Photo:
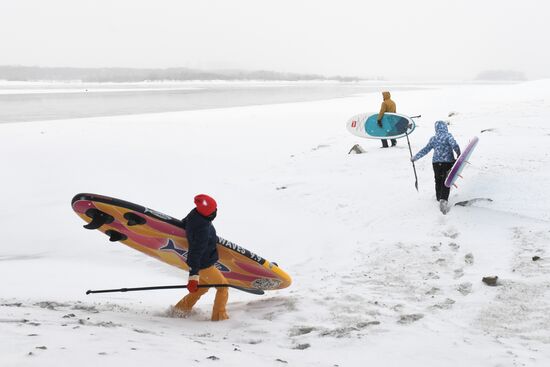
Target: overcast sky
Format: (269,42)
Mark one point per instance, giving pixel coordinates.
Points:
(413,39)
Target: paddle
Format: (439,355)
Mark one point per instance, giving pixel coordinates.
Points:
(249,290)
(410,151)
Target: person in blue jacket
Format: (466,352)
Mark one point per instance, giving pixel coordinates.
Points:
(202,257)
(443,144)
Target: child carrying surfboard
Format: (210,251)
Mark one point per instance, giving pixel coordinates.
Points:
(202,258)
(443,143)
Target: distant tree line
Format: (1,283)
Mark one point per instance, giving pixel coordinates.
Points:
(120,75)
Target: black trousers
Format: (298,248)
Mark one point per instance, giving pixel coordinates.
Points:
(441,170)
(385,143)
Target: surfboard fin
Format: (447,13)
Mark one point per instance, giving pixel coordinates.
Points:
(134,219)
(99,218)
(115,236)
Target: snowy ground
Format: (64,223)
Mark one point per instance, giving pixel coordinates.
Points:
(381,277)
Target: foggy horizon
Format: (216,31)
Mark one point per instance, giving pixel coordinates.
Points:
(423,40)
(130,74)
(123,74)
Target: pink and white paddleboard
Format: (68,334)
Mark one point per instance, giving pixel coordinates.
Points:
(460,163)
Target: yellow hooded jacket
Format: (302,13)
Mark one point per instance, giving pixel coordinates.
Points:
(387,106)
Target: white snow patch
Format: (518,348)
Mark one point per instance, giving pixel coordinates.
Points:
(380,276)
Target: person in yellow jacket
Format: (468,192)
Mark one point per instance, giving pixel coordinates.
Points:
(388,105)
(202,257)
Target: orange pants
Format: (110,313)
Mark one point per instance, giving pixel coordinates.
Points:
(209,275)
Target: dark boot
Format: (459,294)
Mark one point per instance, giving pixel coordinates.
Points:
(443,206)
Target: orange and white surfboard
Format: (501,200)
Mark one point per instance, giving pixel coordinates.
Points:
(163,237)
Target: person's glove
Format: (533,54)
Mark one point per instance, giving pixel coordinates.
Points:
(379,122)
(193,283)
(412,159)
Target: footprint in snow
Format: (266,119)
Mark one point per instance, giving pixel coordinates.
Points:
(431,275)
(433,291)
(173,312)
(50,305)
(106,324)
(301,330)
(301,346)
(409,319)
(80,307)
(445,305)
(15,304)
(465,288)
(454,246)
(347,331)
(451,234)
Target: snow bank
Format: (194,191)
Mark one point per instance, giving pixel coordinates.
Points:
(380,276)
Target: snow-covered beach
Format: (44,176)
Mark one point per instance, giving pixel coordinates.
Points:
(380,276)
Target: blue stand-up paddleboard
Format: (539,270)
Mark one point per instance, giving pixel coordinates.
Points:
(394,126)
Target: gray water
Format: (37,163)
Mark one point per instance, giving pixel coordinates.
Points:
(53,102)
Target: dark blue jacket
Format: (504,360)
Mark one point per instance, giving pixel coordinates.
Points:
(202,239)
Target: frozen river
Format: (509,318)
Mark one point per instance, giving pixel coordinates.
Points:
(20,102)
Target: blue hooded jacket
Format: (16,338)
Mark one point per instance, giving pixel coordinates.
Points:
(443,144)
(202,239)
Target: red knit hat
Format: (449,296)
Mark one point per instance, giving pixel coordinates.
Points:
(205,204)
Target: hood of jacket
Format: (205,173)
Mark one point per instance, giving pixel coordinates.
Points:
(441,127)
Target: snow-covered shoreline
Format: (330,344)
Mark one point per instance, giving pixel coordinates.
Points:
(380,276)
(35,101)
(34,87)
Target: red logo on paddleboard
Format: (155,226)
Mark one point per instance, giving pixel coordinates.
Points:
(353,123)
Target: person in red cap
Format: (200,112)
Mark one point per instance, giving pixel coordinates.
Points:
(202,257)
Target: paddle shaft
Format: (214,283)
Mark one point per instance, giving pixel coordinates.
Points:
(411,153)
(254,291)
